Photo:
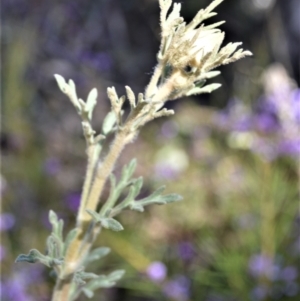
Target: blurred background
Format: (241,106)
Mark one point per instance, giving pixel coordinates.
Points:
(233,154)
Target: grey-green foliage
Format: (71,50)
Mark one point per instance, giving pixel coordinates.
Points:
(102,281)
(127,187)
(56,247)
(130,201)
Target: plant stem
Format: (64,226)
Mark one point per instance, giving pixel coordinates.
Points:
(74,257)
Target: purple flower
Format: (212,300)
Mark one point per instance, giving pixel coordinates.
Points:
(157,271)
(178,288)
(7,221)
(186,250)
(265,123)
(73,201)
(262,265)
(290,147)
(165,171)
(52,166)
(295,101)
(259,293)
(15,288)
(101,61)
(289,274)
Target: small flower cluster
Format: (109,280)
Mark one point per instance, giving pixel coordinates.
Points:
(188,53)
(272,129)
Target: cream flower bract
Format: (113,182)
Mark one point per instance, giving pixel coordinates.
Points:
(188,54)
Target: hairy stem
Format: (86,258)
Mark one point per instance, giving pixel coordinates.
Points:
(74,255)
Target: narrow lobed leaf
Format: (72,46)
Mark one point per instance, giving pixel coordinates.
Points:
(112,224)
(109,122)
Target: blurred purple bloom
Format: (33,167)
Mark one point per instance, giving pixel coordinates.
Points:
(290,147)
(156,271)
(289,274)
(265,123)
(73,201)
(163,170)
(15,288)
(262,265)
(52,166)
(101,61)
(235,117)
(259,293)
(178,289)
(186,250)
(7,221)
(274,123)
(295,100)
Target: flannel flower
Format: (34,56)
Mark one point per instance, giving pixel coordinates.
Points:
(188,54)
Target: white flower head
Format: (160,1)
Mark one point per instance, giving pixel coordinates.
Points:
(188,52)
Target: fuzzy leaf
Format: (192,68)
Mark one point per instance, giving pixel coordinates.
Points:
(61,82)
(170,198)
(116,275)
(108,123)
(137,186)
(112,224)
(88,293)
(137,207)
(106,222)
(104,281)
(34,256)
(91,102)
(154,195)
(70,237)
(128,171)
(96,216)
(97,254)
(55,246)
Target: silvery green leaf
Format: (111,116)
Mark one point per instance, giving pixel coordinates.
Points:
(96,216)
(162,199)
(105,281)
(206,89)
(137,185)
(33,257)
(53,218)
(130,96)
(116,275)
(97,254)
(106,222)
(128,170)
(108,123)
(170,198)
(137,207)
(91,102)
(153,195)
(55,246)
(70,237)
(61,82)
(80,276)
(112,224)
(57,224)
(88,293)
